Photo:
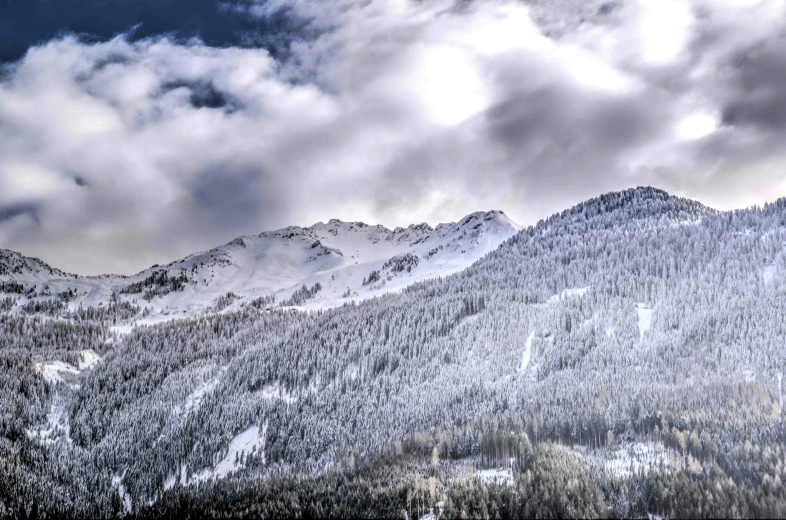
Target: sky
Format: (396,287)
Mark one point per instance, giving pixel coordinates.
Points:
(135,132)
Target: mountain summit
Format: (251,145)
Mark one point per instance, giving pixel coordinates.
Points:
(319,266)
(16,266)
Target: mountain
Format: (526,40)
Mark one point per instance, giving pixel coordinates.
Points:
(629,349)
(337,262)
(14,266)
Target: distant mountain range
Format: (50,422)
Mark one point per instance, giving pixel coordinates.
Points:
(337,262)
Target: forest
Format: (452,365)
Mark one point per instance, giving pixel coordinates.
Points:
(619,359)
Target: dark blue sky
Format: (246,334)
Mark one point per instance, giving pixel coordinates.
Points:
(24,23)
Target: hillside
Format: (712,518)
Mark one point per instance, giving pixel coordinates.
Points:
(629,347)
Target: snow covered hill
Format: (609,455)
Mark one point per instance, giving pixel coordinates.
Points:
(14,266)
(336,262)
(638,334)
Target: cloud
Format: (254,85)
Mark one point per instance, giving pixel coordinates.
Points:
(12,211)
(229,195)
(116,154)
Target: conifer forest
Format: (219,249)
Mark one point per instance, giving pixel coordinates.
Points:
(622,358)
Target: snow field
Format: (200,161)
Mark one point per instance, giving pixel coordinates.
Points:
(250,441)
(337,255)
(576,292)
(496,476)
(527,355)
(645,318)
(628,459)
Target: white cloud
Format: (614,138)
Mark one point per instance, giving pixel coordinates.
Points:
(663,28)
(399,111)
(696,126)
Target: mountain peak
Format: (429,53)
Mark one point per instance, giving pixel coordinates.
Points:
(637,203)
(344,260)
(14,265)
(343,223)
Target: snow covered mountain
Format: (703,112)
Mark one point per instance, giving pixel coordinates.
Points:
(14,266)
(336,262)
(634,340)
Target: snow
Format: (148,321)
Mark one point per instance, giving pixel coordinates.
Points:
(431,515)
(645,318)
(32,269)
(169,483)
(338,255)
(695,221)
(89,360)
(527,356)
(121,330)
(117,482)
(351,371)
(57,426)
(251,440)
(496,476)
(246,442)
(628,459)
(51,371)
(194,399)
(276,391)
(576,292)
(768,273)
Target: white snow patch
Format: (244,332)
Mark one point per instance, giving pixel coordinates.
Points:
(117,481)
(51,371)
(250,441)
(169,483)
(294,308)
(57,426)
(527,356)
(629,459)
(576,292)
(503,477)
(89,360)
(768,273)
(431,515)
(122,330)
(467,320)
(351,371)
(194,399)
(183,475)
(687,222)
(645,318)
(276,391)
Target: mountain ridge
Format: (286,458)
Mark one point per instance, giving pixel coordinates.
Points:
(330,263)
(339,260)
(648,200)
(645,341)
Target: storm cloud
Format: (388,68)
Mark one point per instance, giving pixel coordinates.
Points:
(117,152)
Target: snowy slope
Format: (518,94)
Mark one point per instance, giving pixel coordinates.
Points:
(340,256)
(14,266)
